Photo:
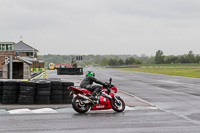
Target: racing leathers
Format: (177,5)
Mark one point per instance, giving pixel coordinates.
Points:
(87,84)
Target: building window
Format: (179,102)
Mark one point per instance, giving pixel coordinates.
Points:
(18,53)
(29,53)
(2,47)
(9,47)
(6,47)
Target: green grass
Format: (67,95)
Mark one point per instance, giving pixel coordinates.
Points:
(186,72)
(166,65)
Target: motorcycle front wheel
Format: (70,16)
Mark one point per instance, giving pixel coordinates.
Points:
(79,106)
(117,106)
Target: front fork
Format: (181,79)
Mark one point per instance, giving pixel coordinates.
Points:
(116,99)
(110,98)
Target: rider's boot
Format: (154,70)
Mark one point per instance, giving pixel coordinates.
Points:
(93,96)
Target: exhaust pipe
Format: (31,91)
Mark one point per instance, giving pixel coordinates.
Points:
(86,98)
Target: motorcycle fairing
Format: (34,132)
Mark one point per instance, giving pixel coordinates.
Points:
(104,104)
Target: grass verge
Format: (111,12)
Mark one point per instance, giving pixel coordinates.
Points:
(186,72)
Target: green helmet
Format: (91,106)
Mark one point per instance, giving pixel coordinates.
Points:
(90,73)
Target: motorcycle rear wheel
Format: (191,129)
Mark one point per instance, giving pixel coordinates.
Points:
(79,106)
(118,107)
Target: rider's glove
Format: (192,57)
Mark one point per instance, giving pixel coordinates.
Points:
(106,85)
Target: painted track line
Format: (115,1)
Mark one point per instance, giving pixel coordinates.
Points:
(64,110)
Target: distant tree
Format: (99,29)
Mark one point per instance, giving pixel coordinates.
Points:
(104,62)
(121,62)
(197,59)
(113,62)
(150,60)
(132,60)
(129,61)
(190,57)
(159,58)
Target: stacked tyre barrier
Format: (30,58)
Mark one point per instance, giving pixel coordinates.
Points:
(43,92)
(56,92)
(10,92)
(1,91)
(66,98)
(26,92)
(69,71)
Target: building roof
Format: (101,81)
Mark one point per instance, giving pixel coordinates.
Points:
(23,60)
(7,43)
(21,46)
(29,59)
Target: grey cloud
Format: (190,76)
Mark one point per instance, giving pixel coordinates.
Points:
(102,26)
(180,9)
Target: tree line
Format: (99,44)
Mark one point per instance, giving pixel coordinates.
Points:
(122,60)
(160,58)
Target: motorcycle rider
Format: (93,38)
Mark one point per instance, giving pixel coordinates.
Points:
(88,81)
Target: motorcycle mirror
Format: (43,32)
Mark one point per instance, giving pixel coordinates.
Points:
(110,80)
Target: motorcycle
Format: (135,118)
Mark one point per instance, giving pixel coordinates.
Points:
(105,99)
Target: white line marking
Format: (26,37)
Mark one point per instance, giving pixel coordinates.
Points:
(20,111)
(45,110)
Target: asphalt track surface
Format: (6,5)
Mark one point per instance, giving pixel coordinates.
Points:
(177,99)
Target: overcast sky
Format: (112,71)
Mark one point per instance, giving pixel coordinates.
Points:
(103,26)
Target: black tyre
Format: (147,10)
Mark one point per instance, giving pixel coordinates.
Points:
(10,83)
(68,97)
(10,101)
(27,83)
(56,97)
(41,98)
(8,97)
(27,101)
(56,87)
(43,102)
(11,88)
(1,98)
(27,88)
(56,92)
(24,97)
(118,107)
(56,101)
(67,101)
(27,93)
(56,83)
(9,92)
(79,106)
(66,92)
(43,93)
(67,84)
(1,90)
(1,83)
(43,88)
(43,84)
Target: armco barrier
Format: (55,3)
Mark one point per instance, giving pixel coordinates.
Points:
(37,91)
(69,71)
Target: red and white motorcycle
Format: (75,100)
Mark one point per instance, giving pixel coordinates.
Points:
(106,99)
